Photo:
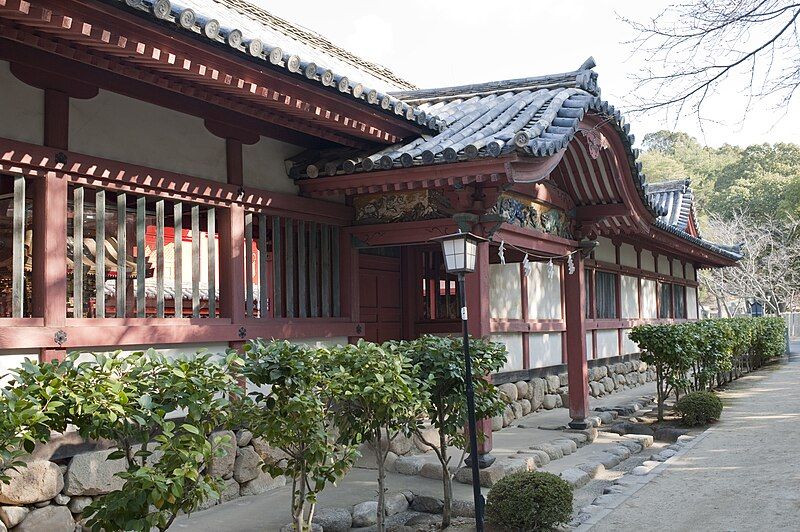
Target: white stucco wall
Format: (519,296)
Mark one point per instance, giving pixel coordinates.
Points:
(648,262)
(690,272)
(11,359)
(663,264)
(677,268)
(545,349)
(589,346)
(21,108)
(263,165)
(544,293)
(605,251)
(691,303)
(649,308)
(627,255)
(513,343)
(120,128)
(629,292)
(628,345)
(607,344)
(505,291)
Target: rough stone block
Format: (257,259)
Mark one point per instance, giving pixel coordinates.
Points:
(243,437)
(577,478)
(247,465)
(497,423)
(410,465)
(592,468)
(539,388)
(563,379)
(643,439)
(270,455)
(263,483)
(365,514)
(526,406)
(430,435)
(669,434)
(401,444)
(553,451)
(610,460)
(431,470)
(333,519)
(463,509)
(11,516)
(395,503)
(428,505)
(623,452)
(553,383)
(516,407)
(608,384)
(50,518)
(596,389)
(522,389)
(567,446)
(508,392)
(222,466)
(508,416)
(37,481)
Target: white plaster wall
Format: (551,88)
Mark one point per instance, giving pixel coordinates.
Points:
(690,272)
(589,346)
(264,168)
(663,264)
(121,128)
(629,296)
(505,291)
(544,293)
(12,359)
(607,344)
(648,263)
(649,308)
(545,349)
(691,302)
(605,251)
(627,255)
(21,108)
(677,268)
(513,343)
(323,342)
(628,345)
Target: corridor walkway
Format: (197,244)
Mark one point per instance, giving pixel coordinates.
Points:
(743,475)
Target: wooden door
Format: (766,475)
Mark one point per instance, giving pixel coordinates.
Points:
(379,290)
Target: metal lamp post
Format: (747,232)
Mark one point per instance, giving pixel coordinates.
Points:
(460,251)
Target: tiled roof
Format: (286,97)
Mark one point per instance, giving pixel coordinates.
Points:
(254,32)
(673,199)
(532,116)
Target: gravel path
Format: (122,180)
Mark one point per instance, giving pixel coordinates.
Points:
(743,475)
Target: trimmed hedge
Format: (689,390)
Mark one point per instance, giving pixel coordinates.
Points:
(529,500)
(699,408)
(701,355)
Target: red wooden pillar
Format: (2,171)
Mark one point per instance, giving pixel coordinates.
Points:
(577,367)
(231,264)
(479,321)
(49,251)
(410,287)
(349,283)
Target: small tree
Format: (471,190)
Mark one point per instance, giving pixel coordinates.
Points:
(377,398)
(296,416)
(439,365)
(127,399)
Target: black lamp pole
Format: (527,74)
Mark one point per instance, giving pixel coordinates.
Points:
(473,432)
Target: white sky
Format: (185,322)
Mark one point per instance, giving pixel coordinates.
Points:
(434,43)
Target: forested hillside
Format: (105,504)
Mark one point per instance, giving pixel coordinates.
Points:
(748,196)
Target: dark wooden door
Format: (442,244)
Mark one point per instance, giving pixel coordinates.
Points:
(379,291)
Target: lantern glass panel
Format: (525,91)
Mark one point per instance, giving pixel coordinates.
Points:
(471,248)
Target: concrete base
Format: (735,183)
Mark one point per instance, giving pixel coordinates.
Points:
(484,461)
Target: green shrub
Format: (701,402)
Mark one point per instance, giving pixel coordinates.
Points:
(699,408)
(530,501)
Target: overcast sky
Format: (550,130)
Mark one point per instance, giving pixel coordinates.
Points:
(434,43)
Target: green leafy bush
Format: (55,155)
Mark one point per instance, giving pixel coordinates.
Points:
(699,408)
(530,501)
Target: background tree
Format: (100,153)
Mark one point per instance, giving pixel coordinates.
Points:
(377,398)
(693,48)
(439,364)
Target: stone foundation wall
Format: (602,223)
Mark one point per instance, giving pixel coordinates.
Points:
(52,495)
(551,391)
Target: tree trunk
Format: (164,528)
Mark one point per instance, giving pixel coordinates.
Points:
(660,393)
(447,481)
(380,459)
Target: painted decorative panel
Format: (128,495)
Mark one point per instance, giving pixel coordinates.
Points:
(505,301)
(407,206)
(545,349)
(629,296)
(524,212)
(544,292)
